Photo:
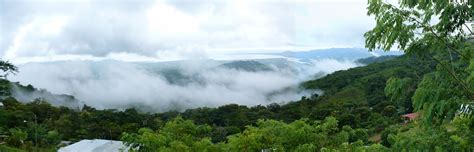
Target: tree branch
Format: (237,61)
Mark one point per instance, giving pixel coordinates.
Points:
(436,35)
(463,84)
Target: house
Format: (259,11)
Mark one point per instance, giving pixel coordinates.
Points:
(95,145)
(410,116)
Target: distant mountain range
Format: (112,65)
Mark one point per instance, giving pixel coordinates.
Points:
(337,53)
(250,66)
(293,64)
(178,74)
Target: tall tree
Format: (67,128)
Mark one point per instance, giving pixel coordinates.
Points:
(438,30)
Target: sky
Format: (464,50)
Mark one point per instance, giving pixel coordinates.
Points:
(161,30)
(34,33)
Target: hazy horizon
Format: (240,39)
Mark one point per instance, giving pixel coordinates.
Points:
(95,50)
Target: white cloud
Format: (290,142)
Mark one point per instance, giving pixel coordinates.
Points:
(44,29)
(112,84)
(177,29)
(166,19)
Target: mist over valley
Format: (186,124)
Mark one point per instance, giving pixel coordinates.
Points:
(178,85)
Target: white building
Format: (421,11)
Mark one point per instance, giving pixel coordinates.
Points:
(96,145)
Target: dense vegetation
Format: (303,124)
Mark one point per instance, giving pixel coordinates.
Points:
(435,79)
(374,59)
(346,99)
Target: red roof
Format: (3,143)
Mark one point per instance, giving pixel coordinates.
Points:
(411,116)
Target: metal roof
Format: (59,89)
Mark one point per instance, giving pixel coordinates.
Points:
(95,145)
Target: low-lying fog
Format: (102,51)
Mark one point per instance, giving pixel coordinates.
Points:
(178,85)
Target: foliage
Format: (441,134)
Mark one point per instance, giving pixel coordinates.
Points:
(400,91)
(298,135)
(349,105)
(368,105)
(184,135)
(10,149)
(52,138)
(177,135)
(7,68)
(17,137)
(435,77)
(410,26)
(376,59)
(438,31)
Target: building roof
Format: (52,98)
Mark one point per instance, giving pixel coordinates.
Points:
(411,116)
(95,145)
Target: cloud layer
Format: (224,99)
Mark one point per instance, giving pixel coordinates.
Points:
(85,34)
(112,84)
(179,29)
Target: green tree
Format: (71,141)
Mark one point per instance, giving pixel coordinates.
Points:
(411,27)
(400,91)
(7,68)
(177,135)
(17,137)
(53,137)
(298,135)
(440,31)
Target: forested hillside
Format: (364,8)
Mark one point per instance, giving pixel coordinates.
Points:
(421,101)
(354,98)
(353,107)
